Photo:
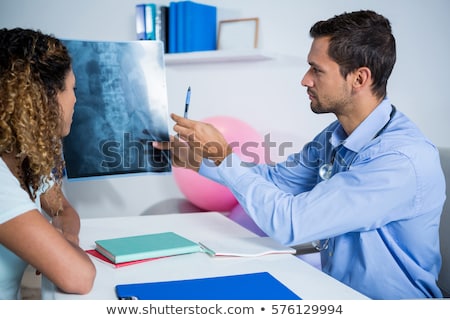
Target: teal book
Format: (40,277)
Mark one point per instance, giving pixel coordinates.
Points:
(248,286)
(145,246)
(150,21)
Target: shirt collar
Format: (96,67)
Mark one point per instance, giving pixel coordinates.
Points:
(366,130)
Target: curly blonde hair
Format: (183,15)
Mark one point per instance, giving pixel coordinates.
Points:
(33,68)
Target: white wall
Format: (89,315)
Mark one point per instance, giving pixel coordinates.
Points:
(266,94)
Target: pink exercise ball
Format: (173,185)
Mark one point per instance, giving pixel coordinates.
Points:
(210,195)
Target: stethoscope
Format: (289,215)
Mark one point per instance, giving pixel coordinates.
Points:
(326,172)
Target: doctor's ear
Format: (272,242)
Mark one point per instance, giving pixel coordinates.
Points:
(362,77)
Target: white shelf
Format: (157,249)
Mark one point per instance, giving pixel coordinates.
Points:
(216,56)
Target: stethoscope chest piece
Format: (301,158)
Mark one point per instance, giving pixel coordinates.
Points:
(325,171)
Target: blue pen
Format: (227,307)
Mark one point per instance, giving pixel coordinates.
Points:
(188,99)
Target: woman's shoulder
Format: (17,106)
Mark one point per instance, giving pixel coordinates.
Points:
(13,199)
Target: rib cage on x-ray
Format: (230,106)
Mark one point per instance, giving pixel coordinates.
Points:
(121,108)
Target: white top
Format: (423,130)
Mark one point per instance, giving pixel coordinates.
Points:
(14,201)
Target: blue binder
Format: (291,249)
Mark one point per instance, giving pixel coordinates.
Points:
(200,27)
(146,21)
(192,27)
(140,21)
(173,6)
(250,286)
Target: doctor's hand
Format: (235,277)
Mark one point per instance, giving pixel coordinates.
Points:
(181,153)
(203,139)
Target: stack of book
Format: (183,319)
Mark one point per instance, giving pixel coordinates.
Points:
(145,246)
(183,26)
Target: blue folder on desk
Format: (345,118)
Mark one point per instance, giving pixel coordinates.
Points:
(251,286)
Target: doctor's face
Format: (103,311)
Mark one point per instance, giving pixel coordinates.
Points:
(327,89)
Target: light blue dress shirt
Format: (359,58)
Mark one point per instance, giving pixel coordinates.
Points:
(380,210)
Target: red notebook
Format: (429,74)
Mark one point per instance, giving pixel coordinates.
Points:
(98,255)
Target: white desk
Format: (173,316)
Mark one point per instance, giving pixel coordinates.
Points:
(305,280)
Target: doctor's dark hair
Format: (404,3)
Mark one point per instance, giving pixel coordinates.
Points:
(360,39)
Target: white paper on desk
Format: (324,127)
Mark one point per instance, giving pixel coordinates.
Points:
(244,247)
